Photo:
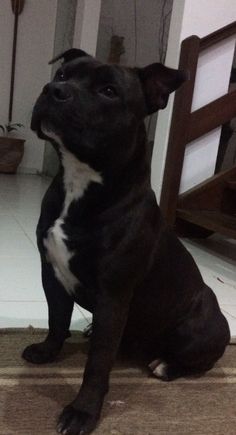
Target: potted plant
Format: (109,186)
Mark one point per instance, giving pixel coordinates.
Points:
(11,149)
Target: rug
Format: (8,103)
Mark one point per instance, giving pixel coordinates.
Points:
(31,397)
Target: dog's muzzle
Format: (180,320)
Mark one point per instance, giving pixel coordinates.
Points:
(60,92)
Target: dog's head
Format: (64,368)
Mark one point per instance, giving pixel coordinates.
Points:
(95,109)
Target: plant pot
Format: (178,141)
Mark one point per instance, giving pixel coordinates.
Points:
(11,153)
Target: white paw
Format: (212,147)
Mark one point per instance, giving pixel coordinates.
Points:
(158,368)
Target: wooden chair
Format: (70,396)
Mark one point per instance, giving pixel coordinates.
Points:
(210,206)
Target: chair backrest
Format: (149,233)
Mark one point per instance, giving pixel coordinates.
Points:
(186,125)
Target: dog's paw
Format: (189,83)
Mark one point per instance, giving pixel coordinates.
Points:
(75,422)
(159,369)
(166,372)
(40,353)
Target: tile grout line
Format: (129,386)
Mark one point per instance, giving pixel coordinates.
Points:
(31,241)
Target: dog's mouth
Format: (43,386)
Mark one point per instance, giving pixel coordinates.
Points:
(41,123)
(48,132)
(43,128)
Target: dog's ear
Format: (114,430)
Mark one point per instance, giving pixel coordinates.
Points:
(69,55)
(158,82)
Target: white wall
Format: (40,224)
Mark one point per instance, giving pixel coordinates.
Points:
(190,17)
(86,25)
(34,49)
(139,25)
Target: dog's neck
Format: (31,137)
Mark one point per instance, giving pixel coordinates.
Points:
(87,189)
(77,177)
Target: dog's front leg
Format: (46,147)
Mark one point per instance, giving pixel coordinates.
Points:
(109,321)
(60,307)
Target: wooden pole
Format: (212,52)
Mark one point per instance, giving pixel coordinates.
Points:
(17,7)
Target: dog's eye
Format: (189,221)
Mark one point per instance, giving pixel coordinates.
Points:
(61,76)
(108,91)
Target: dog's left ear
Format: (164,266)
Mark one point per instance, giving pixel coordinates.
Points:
(158,82)
(71,54)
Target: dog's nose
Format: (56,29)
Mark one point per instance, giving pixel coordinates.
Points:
(59,91)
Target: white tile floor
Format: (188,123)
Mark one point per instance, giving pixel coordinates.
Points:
(22,300)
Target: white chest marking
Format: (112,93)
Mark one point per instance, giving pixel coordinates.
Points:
(77,177)
(59,256)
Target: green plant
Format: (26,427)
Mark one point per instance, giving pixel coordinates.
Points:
(7,128)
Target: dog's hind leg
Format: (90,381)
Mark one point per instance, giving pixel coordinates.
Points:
(60,307)
(196,344)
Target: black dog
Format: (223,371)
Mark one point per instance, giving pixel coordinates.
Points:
(102,240)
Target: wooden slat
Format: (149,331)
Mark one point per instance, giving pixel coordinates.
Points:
(218,36)
(212,220)
(177,139)
(231,185)
(212,115)
(210,183)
